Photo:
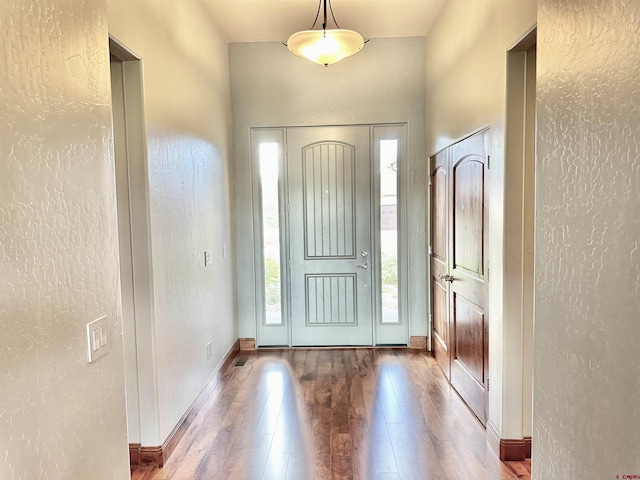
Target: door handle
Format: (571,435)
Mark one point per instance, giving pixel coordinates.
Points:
(364,266)
(447,278)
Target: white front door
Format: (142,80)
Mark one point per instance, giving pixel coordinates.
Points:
(329,184)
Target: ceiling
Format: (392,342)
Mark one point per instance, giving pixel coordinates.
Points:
(276,20)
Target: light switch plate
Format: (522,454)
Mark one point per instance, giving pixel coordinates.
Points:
(208,258)
(98,343)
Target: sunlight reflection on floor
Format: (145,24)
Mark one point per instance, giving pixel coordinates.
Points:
(279,448)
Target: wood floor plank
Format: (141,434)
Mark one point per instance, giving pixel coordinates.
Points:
(234,402)
(519,468)
(312,414)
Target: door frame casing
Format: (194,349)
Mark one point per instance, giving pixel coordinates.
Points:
(138,332)
(280,335)
(519,185)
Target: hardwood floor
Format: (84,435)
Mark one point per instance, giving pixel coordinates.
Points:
(335,414)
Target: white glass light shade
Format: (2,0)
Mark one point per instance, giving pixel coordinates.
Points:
(325,47)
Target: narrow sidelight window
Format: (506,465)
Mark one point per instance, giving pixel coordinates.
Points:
(269,181)
(389,229)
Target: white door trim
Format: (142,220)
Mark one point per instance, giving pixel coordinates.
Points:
(280,335)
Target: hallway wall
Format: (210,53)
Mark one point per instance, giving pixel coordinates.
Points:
(382,84)
(60,417)
(466,90)
(188,124)
(587,297)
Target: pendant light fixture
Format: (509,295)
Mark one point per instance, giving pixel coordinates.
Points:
(326,46)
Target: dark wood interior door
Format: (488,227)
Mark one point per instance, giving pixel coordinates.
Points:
(459,276)
(440,259)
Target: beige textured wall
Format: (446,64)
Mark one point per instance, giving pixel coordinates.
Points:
(188,123)
(60,417)
(466,90)
(587,331)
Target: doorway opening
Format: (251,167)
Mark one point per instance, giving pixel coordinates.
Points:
(329,248)
(520,151)
(133,242)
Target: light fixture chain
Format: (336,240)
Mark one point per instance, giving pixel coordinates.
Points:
(332,15)
(324,23)
(317,15)
(322,3)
